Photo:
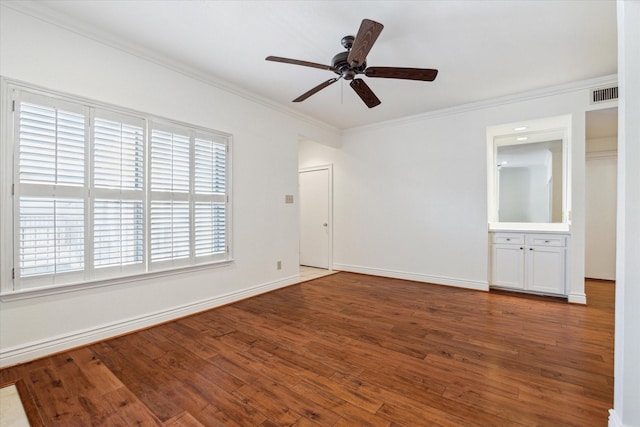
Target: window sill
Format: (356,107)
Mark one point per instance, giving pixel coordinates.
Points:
(22,294)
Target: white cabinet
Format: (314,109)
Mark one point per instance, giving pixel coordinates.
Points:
(529,262)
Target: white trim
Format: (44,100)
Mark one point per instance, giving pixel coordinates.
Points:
(36,349)
(6,181)
(550,227)
(608,154)
(418,277)
(614,420)
(37,292)
(577,298)
(329,169)
(491,103)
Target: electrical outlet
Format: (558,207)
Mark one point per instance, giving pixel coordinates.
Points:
(279,265)
(288,198)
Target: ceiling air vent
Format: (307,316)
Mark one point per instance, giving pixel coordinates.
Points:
(604,94)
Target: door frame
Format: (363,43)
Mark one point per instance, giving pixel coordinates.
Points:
(329,169)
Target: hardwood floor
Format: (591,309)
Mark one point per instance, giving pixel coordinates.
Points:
(345,350)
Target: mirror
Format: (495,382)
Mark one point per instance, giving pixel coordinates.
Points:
(528,175)
(530,182)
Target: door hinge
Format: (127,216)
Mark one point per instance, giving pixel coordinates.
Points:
(13,273)
(13,106)
(13,189)
(227,249)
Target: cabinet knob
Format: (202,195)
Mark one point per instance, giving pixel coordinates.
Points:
(508,239)
(521,248)
(547,241)
(530,249)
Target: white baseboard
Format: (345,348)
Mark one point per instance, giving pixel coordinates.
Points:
(37,349)
(418,277)
(577,298)
(614,420)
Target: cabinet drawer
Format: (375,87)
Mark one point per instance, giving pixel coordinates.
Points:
(509,239)
(546,240)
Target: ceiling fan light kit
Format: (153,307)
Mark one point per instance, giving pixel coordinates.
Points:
(347,65)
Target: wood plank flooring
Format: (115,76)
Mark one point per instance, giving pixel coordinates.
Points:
(345,350)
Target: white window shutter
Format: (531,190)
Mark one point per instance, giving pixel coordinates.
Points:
(169,161)
(169,230)
(118,233)
(51,236)
(210,228)
(52,145)
(210,167)
(118,155)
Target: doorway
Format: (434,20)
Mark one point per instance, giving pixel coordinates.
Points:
(315,195)
(601,193)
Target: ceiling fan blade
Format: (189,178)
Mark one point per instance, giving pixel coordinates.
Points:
(298,62)
(366,37)
(365,93)
(316,89)
(424,74)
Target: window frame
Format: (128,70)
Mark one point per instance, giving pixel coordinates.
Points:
(18,288)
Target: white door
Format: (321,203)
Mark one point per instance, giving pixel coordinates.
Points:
(314,217)
(600,231)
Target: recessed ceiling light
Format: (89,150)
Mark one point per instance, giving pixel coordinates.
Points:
(522,138)
(518,129)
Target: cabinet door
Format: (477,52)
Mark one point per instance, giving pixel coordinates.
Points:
(546,269)
(508,266)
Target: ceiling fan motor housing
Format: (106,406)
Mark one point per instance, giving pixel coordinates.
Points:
(342,67)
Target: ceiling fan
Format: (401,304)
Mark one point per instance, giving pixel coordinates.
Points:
(349,64)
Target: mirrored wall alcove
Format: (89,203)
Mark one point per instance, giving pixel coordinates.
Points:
(528,175)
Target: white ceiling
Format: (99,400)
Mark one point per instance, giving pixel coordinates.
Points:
(482,49)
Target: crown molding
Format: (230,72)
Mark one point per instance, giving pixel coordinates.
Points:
(607,154)
(489,103)
(41,12)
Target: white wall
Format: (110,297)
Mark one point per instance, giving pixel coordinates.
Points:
(626,407)
(265,164)
(410,197)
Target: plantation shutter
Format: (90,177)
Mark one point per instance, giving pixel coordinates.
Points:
(51,144)
(210,196)
(50,181)
(170,238)
(51,235)
(118,179)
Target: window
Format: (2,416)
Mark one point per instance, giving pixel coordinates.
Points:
(100,193)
